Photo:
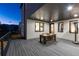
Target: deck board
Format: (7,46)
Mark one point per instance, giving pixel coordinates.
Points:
(34,48)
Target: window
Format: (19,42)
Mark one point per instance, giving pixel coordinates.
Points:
(39,27)
(36,26)
(73,26)
(60,27)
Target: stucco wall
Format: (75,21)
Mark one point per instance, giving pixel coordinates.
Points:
(31,29)
(65,34)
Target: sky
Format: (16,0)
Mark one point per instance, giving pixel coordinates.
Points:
(10,13)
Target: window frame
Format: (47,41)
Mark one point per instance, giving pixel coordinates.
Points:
(39,27)
(75,22)
(60,26)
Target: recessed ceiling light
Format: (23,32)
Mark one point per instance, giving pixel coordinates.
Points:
(41,18)
(51,20)
(69,8)
(75,15)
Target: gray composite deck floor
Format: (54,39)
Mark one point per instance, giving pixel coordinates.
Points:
(34,48)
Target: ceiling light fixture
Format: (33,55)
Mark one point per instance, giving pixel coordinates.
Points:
(75,15)
(51,20)
(41,18)
(69,8)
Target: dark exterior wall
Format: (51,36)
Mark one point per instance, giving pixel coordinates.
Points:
(23,21)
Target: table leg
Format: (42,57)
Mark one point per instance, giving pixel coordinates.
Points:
(44,40)
(55,37)
(40,39)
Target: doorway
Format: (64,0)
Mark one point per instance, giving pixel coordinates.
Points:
(52,28)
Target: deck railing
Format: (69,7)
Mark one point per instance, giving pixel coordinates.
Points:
(4,43)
